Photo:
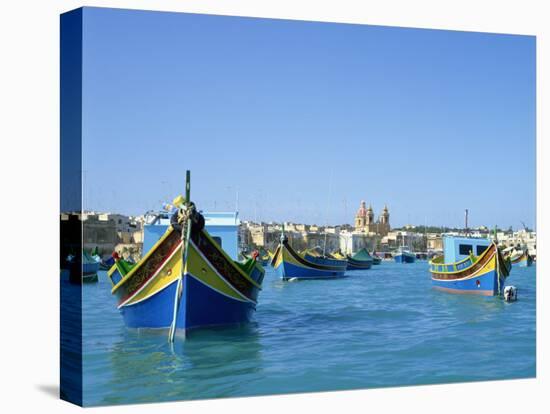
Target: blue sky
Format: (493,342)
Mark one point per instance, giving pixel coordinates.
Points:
(304,120)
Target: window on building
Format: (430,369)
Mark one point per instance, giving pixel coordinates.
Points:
(218,240)
(464,249)
(480,250)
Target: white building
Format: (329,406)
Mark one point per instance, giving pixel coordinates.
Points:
(352,242)
(521,238)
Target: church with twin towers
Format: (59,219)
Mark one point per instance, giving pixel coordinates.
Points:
(365,221)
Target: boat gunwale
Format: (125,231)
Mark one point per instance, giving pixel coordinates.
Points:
(433,263)
(178,245)
(489,254)
(141,261)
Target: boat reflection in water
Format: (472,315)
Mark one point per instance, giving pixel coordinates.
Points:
(195,369)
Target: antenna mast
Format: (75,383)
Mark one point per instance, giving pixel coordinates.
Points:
(328,205)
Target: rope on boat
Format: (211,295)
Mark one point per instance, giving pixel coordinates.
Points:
(186,216)
(497,257)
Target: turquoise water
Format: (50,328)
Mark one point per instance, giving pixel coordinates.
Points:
(377,328)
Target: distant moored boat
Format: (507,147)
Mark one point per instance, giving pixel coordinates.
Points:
(290,264)
(521,258)
(361,260)
(83,270)
(404,256)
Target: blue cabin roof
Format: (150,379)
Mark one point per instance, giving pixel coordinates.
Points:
(456,248)
(222,226)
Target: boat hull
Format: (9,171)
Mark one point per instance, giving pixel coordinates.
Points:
(404,258)
(359,265)
(484,275)
(200,306)
(83,272)
(361,260)
(484,285)
(214,291)
(524,260)
(288,264)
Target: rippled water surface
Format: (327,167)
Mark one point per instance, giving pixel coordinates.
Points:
(382,327)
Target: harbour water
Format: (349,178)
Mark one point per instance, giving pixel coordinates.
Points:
(380,327)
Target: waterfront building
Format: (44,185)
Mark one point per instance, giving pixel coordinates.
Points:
(104,231)
(353,241)
(259,235)
(396,239)
(435,242)
(521,238)
(329,242)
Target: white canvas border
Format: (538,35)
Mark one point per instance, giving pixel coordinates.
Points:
(30,175)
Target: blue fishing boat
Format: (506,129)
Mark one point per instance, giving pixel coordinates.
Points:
(403,255)
(186,280)
(290,264)
(471,266)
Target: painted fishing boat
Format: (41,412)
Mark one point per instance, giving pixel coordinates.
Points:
(403,255)
(470,266)
(260,255)
(106,264)
(290,264)
(264,260)
(103,264)
(361,260)
(337,254)
(521,258)
(186,280)
(376,260)
(264,257)
(317,252)
(257,255)
(83,270)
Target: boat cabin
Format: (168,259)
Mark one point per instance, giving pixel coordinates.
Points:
(456,248)
(223,227)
